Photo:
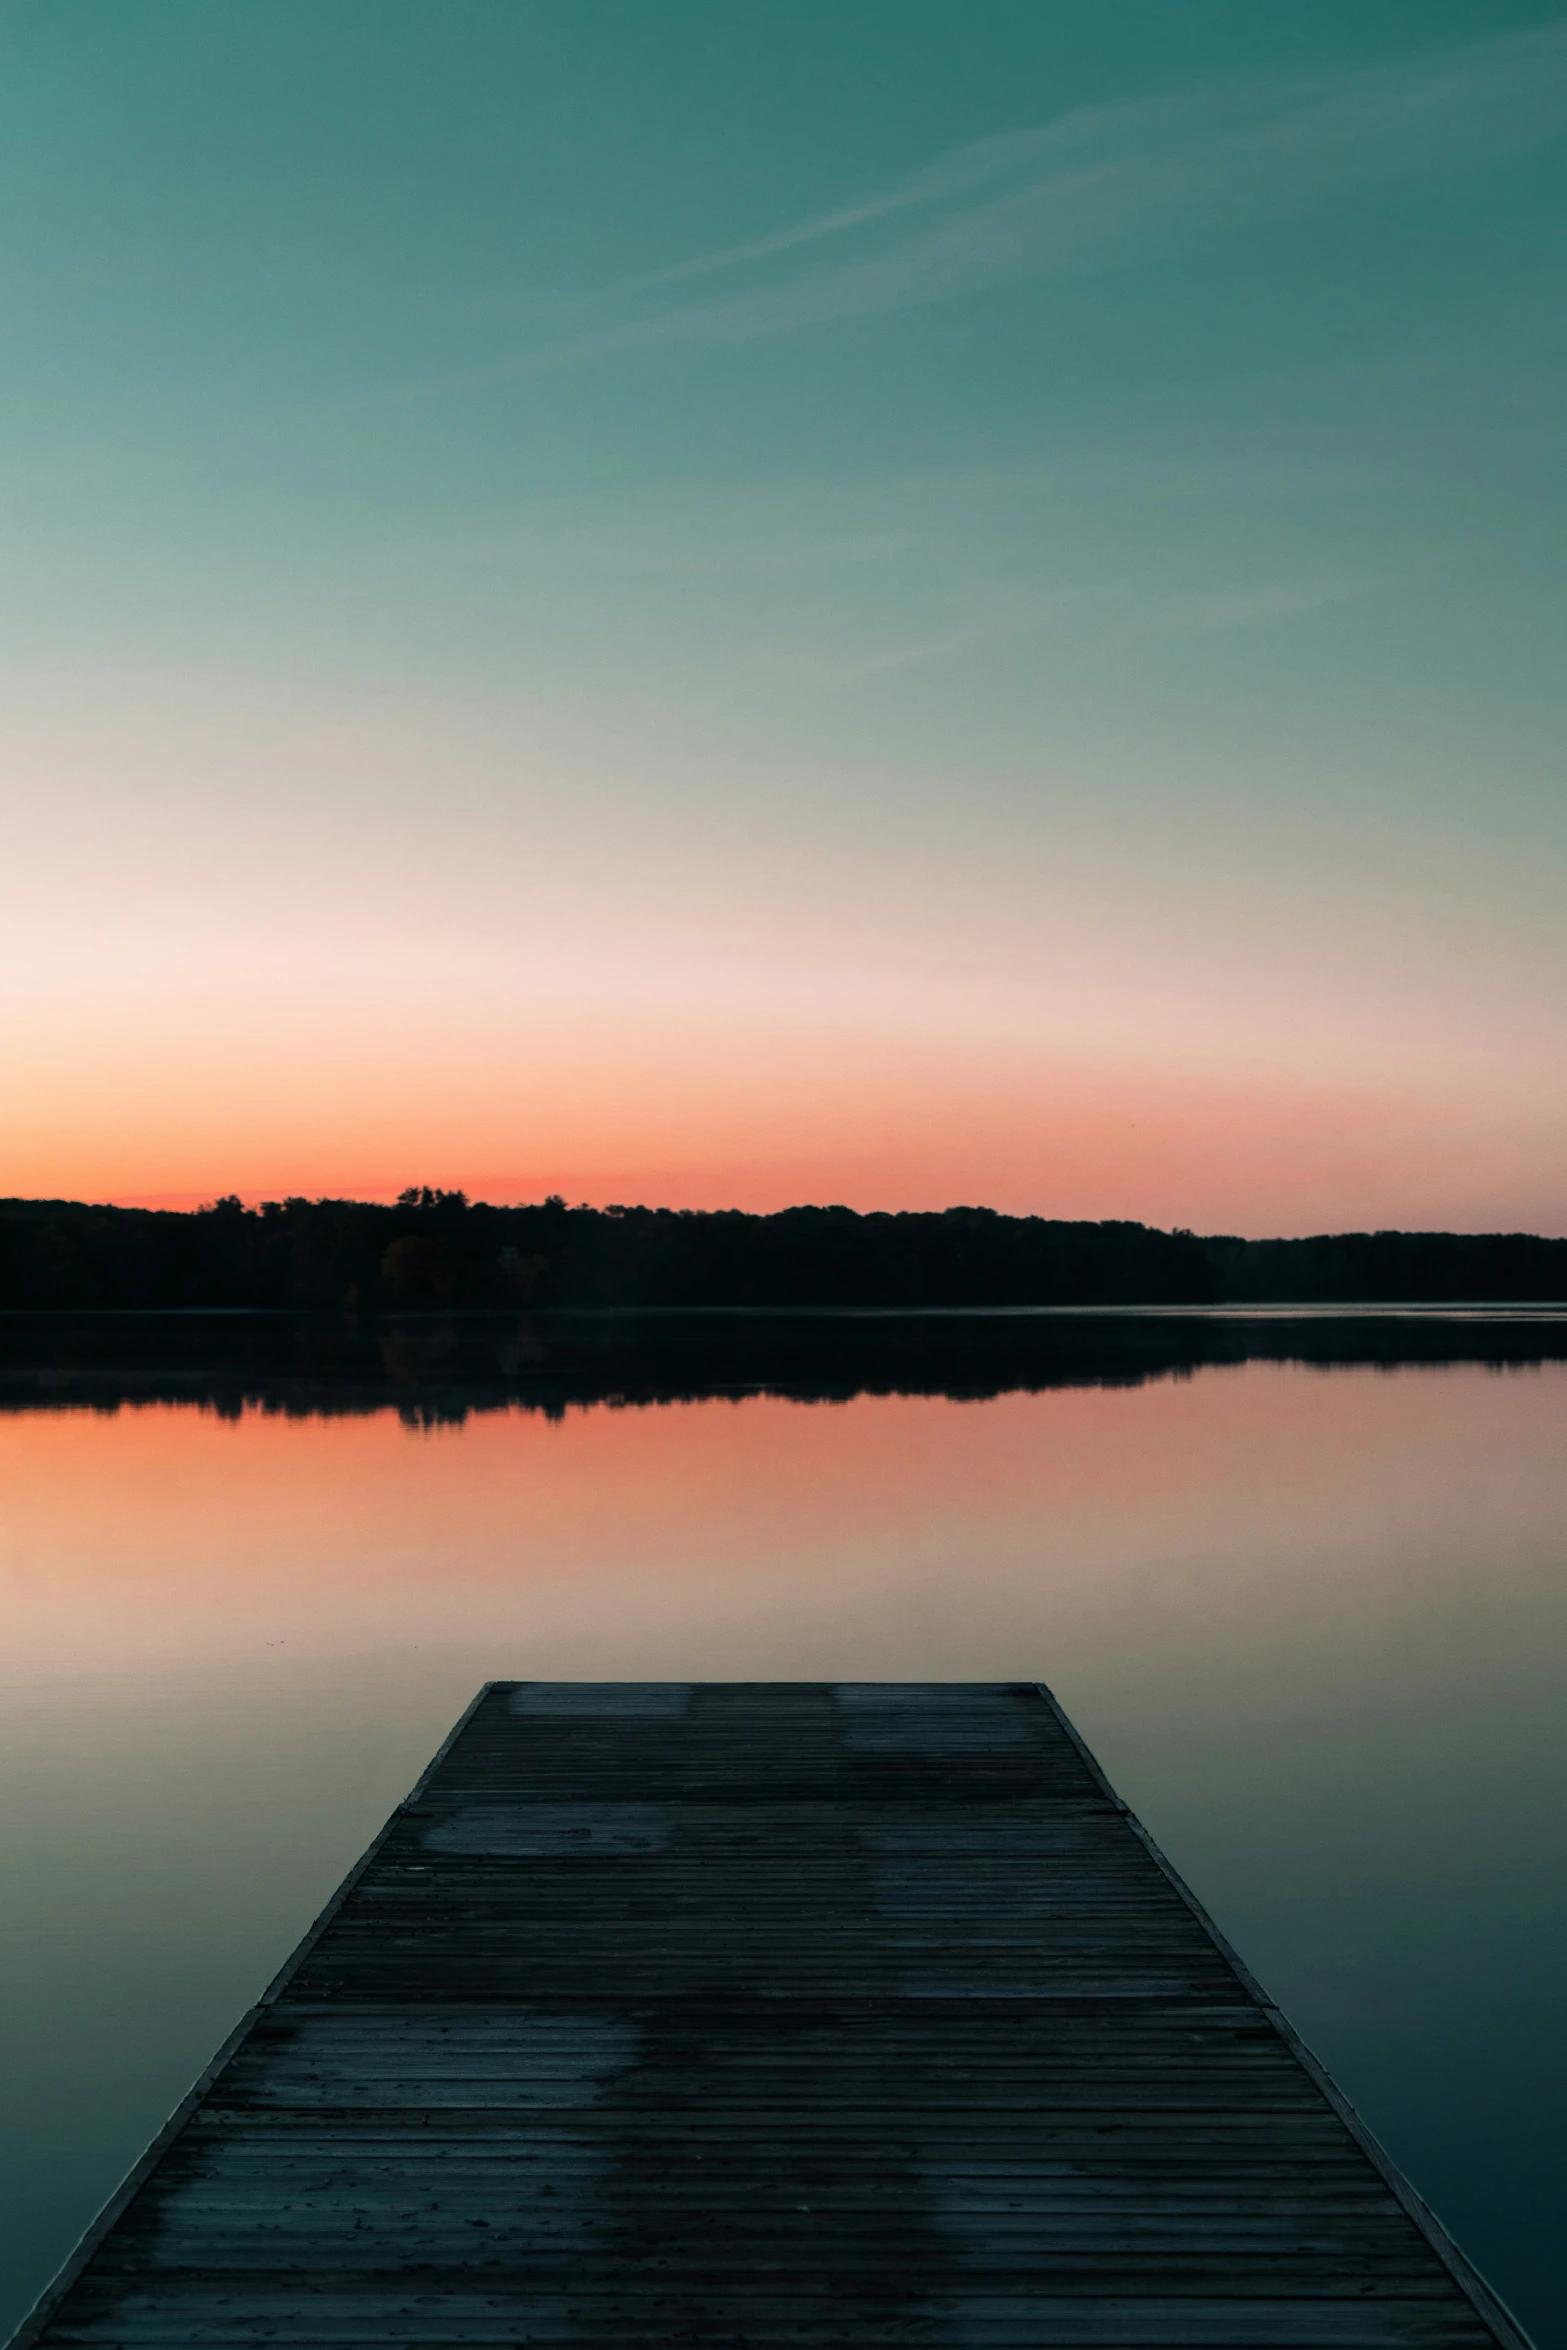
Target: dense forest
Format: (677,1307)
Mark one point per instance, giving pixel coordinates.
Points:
(437,1250)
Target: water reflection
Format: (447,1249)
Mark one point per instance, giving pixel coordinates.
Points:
(1300,1582)
(442,1367)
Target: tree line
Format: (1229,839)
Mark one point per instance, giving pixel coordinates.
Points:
(438,1250)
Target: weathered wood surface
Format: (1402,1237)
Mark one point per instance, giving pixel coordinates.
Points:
(765,2014)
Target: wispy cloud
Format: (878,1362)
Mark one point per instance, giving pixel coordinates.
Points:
(977,165)
(1009,614)
(1108,183)
(1135,611)
(1242,607)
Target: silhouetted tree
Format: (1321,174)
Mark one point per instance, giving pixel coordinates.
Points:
(437,1249)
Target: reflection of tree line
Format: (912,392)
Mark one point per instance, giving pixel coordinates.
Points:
(437,1368)
(436,1250)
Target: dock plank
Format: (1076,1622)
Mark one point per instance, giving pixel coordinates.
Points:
(767,2014)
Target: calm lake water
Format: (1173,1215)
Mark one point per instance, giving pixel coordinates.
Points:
(1301,1582)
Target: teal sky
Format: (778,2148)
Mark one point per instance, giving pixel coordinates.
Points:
(868,600)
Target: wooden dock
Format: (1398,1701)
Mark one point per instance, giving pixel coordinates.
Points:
(765,2014)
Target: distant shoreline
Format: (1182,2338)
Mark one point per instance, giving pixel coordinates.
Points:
(1286,1310)
(437,1251)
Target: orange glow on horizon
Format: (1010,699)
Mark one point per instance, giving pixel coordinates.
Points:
(624,1016)
(1211,1152)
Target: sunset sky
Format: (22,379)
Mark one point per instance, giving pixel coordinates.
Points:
(868,601)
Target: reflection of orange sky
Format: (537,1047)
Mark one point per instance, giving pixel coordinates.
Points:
(1268,1597)
(753,1536)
